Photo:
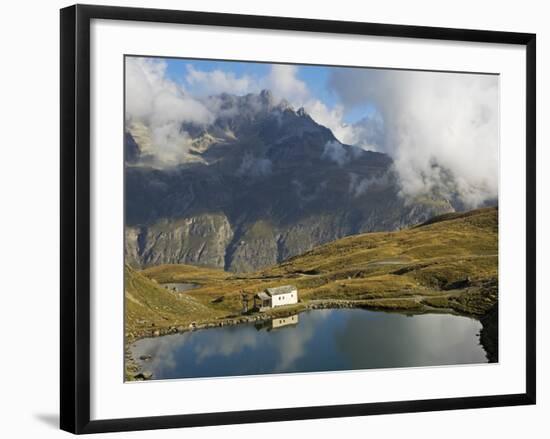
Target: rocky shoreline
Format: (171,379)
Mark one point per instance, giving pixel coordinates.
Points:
(274,313)
(134,372)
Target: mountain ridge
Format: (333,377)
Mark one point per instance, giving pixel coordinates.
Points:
(264,182)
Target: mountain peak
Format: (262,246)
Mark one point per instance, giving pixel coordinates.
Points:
(266,96)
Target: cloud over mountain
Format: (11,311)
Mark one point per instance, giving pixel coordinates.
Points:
(440,128)
(157,107)
(217,81)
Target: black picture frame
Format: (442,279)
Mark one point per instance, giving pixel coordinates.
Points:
(75,217)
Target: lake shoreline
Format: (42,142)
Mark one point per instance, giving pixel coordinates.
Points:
(488,337)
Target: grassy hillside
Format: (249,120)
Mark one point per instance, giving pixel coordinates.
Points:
(150,306)
(184,273)
(448,262)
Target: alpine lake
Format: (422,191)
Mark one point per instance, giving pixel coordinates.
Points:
(314,341)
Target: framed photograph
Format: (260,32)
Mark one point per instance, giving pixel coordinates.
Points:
(268,218)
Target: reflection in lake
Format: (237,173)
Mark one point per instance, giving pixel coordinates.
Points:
(179,287)
(320,340)
(278,322)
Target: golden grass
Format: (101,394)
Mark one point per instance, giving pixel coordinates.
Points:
(394,270)
(183,273)
(150,306)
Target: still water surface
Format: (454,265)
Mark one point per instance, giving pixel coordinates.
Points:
(180,287)
(320,340)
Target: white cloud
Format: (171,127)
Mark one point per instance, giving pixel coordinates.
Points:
(148,77)
(364,133)
(368,133)
(254,167)
(336,152)
(440,128)
(359,186)
(217,81)
(156,108)
(282,80)
(332,118)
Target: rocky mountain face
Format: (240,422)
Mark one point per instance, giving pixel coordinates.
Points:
(262,183)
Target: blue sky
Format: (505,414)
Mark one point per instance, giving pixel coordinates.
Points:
(316,79)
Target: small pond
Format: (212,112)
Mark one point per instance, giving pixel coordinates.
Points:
(179,287)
